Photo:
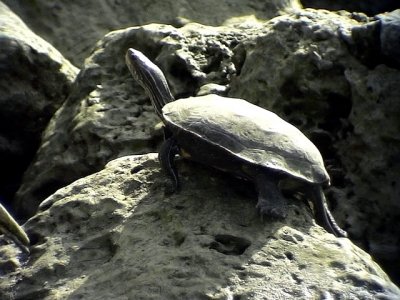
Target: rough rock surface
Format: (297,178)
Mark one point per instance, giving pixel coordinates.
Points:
(74,27)
(309,70)
(307,67)
(389,37)
(35,80)
(207,242)
(369,7)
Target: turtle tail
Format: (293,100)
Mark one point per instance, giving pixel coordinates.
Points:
(322,213)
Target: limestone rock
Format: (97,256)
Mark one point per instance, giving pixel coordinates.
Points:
(390,36)
(74,28)
(35,79)
(370,7)
(301,66)
(304,70)
(376,42)
(206,242)
(370,153)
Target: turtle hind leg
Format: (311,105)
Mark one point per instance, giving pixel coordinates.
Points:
(323,214)
(271,202)
(166,155)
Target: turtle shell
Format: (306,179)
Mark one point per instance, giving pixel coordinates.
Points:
(249,132)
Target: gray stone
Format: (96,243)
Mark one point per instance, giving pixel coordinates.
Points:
(371,155)
(207,242)
(370,7)
(390,36)
(377,41)
(212,88)
(299,66)
(74,28)
(35,80)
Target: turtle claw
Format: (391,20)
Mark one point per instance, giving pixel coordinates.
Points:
(171,187)
(168,190)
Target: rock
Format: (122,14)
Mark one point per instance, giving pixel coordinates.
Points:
(390,37)
(212,88)
(370,153)
(35,79)
(301,66)
(296,70)
(59,22)
(370,7)
(377,42)
(12,259)
(207,242)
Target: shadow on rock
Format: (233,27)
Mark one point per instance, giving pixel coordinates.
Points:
(115,234)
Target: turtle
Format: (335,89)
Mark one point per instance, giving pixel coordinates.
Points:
(237,137)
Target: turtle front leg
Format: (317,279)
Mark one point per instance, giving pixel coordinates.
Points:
(271,202)
(166,155)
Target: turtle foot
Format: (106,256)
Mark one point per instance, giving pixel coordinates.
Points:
(271,212)
(170,188)
(271,204)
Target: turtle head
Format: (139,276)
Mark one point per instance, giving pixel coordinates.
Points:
(150,77)
(137,62)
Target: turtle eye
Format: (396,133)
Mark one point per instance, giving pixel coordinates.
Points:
(131,54)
